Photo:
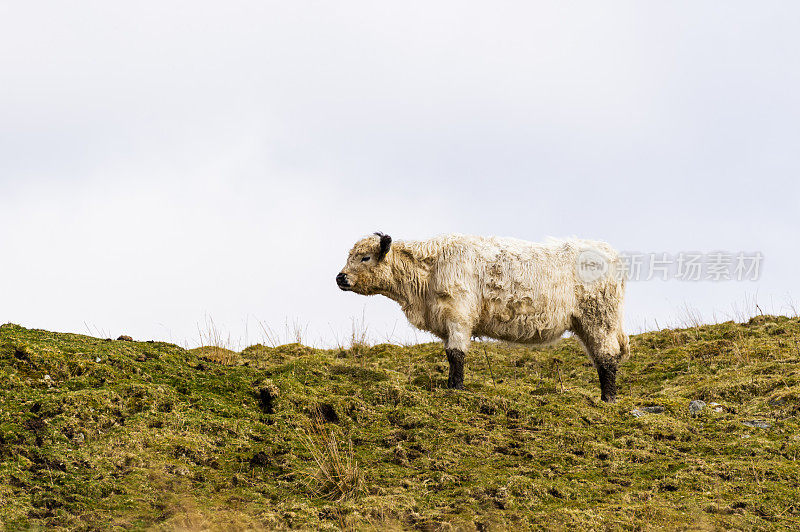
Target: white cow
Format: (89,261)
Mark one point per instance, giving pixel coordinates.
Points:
(459,287)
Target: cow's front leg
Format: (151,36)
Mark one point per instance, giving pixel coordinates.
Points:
(456,348)
(456,377)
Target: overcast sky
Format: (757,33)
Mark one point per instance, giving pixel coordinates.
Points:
(161,162)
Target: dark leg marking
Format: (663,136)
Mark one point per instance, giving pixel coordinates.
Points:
(608,381)
(456,359)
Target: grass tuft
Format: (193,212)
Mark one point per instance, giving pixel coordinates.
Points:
(337,475)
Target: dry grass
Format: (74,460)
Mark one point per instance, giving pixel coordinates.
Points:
(689,317)
(358,343)
(94,330)
(793,308)
(271,338)
(359,336)
(293,332)
(337,475)
(215,345)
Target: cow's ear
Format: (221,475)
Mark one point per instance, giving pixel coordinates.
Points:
(386,243)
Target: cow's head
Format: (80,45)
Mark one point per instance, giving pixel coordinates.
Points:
(367,271)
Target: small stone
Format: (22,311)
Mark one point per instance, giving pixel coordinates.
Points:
(652,409)
(637,413)
(696,406)
(125,338)
(97,360)
(757,423)
(47,377)
(716,407)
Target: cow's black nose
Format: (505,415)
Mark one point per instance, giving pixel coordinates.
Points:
(341,280)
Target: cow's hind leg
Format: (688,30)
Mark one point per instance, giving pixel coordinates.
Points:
(605,348)
(456,347)
(608,381)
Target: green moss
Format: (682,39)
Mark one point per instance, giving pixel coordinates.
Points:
(97,433)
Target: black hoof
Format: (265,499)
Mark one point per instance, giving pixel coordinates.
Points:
(608,382)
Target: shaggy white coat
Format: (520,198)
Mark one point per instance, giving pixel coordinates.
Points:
(458,287)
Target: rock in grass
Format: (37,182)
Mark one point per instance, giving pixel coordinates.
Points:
(696,406)
(644,410)
(757,423)
(125,338)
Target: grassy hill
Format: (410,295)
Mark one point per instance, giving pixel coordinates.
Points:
(97,433)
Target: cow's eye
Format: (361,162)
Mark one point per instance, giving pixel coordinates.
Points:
(365,259)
